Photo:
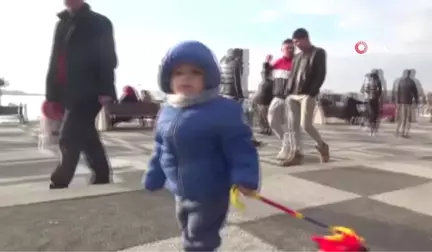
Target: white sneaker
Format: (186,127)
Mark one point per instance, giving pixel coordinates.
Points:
(283,154)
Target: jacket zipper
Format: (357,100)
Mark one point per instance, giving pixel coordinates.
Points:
(179,172)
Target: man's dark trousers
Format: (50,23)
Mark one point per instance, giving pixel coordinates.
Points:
(78,134)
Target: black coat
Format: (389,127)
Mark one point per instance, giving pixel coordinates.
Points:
(231,72)
(405,91)
(87,43)
(264,94)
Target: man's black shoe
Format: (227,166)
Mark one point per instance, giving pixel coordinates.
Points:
(54,186)
(256,143)
(100,182)
(265,132)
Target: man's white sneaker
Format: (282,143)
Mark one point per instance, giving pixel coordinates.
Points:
(282,155)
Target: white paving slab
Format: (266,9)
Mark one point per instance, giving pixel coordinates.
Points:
(234,239)
(23,155)
(359,154)
(39,192)
(26,190)
(416,198)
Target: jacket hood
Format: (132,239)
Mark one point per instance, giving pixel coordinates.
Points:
(194,53)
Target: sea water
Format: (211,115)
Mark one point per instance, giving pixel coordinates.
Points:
(33,105)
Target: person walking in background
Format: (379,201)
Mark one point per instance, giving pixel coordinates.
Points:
(81,78)
(372,90)
(277,113)
(350,110)
(429,106)
(202,146)
(231,73)
(404,93)
(420,92)
(129,96)
(146,96)
(263,98)
(307,77)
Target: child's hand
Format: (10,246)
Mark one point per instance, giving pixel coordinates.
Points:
(246,191)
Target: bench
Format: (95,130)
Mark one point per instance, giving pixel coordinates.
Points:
(13,111)
(144,111)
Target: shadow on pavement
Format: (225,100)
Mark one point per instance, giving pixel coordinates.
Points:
(104,223)
(385,228)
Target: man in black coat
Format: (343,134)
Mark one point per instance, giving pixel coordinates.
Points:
(81,78)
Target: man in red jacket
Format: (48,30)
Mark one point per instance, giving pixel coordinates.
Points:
(277,118)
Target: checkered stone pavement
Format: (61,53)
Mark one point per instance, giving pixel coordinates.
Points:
(386,202)
(378,186)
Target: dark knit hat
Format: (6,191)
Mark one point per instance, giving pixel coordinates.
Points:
(194,53)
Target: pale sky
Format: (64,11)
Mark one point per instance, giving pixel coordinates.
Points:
(398,34)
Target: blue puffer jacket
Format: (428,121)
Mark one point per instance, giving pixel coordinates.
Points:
(202,150)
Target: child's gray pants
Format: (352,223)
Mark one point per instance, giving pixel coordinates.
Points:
(201,222)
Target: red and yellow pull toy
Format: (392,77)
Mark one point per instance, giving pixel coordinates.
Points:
(341,239)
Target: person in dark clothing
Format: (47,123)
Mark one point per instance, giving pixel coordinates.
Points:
(350,110)
(129,96)
(231,72)
(81,78)
(308,74)
(404,93)
(263,98)
(372,89)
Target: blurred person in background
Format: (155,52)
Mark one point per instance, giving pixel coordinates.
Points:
(429,106)
(372,90)
(231,74)
(404,94)
(146,96)
(420,90)
(263,98)
(129,96)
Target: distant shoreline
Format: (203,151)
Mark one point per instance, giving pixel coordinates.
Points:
(18,93)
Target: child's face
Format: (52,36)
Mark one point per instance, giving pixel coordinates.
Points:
(187,80)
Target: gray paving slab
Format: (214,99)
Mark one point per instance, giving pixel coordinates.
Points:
(106,223)
(120,221)
(385,227)
(362,180)
(426,158)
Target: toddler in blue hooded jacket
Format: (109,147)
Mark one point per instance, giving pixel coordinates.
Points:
(202,145)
